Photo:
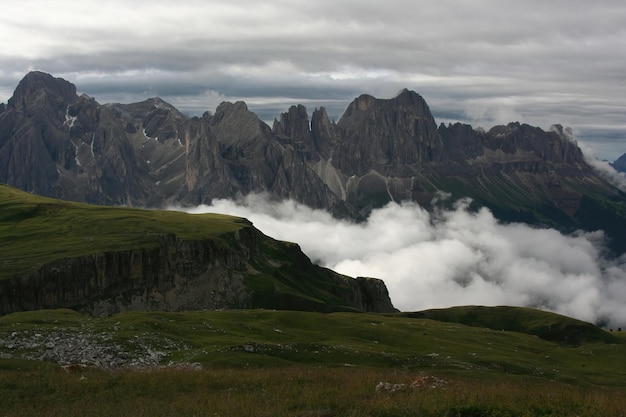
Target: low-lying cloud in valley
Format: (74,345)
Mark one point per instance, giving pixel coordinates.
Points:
(452,257)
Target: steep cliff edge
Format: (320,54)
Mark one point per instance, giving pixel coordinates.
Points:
(102,260)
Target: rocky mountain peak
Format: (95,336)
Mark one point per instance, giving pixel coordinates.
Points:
(409,98)
(228,107)
(555,146)
(322,133)
(294,129)
(39,90)
(360,104)
(294,123)
(234,123)
(392,136)
(620,163)
(159,103)
(365,102)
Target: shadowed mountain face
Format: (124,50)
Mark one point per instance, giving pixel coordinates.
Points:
(620,163)
(58,144)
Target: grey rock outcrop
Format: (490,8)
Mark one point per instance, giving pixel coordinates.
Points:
(394,137)
(254,161)
(76,348)
(188,275)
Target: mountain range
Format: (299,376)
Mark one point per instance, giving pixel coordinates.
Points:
(56,143)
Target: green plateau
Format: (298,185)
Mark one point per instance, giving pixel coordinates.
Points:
(36,230)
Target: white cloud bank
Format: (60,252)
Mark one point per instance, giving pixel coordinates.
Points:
(603,168)
(448,258)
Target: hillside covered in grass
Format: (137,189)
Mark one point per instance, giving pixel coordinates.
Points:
(36,230)
(269,338)
(287,363)
(107,259)
(198,317)
(546,325)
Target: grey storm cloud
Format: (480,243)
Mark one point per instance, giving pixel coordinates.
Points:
(452,257)
(484,62)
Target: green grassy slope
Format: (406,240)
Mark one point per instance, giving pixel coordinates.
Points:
(36,230)
(285,363)
(548,326)
(263,338)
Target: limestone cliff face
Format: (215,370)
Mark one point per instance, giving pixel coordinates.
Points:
(176,275)
(293,129)
(258,162)
(372,155)
(40,92)
(374,293)
(30,145)
(394,137)
(323,133)
(57,144)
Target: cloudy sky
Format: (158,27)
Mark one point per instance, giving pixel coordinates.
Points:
(483,62)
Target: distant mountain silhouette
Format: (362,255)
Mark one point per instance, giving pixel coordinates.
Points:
(620,163)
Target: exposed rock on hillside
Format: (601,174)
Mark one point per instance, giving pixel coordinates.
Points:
(177,275)
(183,275)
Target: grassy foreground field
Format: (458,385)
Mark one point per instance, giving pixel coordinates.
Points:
(292,391)
(283,363)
